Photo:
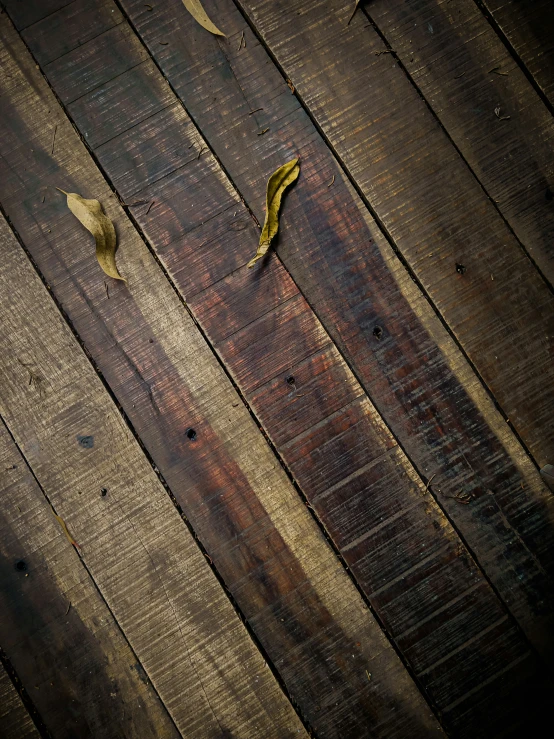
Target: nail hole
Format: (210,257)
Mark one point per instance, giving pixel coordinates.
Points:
(21,566)
(460,269)
(104,492)
(549,195)
(150,341)
(378,333)
(289,379)
(191,434)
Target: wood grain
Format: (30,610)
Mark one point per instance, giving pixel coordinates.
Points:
(416,376)
(287,581)
(428,200)
(144,561)
(529,28)
(265,336)
(465,73)
(15,722)
(56,629)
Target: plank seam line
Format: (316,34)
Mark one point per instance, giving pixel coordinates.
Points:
(85,43)
(85,567)
(392,244)
(382,525)
(319,523)
(69,103)
(466,644)
(20,30)
(515,56)
(414,568)
(354,475)
(455,147)
(280,461)
(486,682)
(160,477)
(240,615)
(28,704)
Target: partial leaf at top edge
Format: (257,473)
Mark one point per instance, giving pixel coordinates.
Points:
(93,218)
(195,8)
(356,3)
(276,186)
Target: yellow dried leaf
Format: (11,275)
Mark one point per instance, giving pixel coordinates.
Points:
(276,186)
(195,8)
(91,215)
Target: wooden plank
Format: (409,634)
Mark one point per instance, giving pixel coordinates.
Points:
(466,74)
(262,324)
(286,580)
(15,721)
(56,629)
(417,378)
(145,563)
(500,309)
(529,28)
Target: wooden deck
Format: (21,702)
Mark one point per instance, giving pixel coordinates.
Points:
(303,499)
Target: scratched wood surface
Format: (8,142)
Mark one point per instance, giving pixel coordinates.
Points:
(62,640)
(448,424)
(15,721)
(529,28)
(456,635)
(495,302)
(487,106)
(260,535)
(240,339)
(146,564)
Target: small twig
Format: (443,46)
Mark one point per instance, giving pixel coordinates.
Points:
(429,481)
(68,607)
(353,12)
(148,7)
(289,83)
(137,202)
(254,111)
(332,182)
(163,43)
(461,497)
(148,210)
(202,149)
(54,139)
(384,51)
(496,70)
(107,290)
(210,560)
(500,117)
(242,42)
(457,77)
(368,675)
(261,133)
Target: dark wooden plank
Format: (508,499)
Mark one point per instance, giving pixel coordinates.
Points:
(56,629)
(466,73)
(15,721)
(529,27)
(415,375)
(145,562)
(409,592)
(285,578)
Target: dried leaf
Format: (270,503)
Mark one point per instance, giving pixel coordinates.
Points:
(91,215)
(276,186)
(356,3)
(195,8)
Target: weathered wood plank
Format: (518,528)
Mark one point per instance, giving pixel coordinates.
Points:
(500,309)
(145,563)
(529,27)
(174,226)
(286,580)
(466,74)
(15,721)
(57,631)
(417,378)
